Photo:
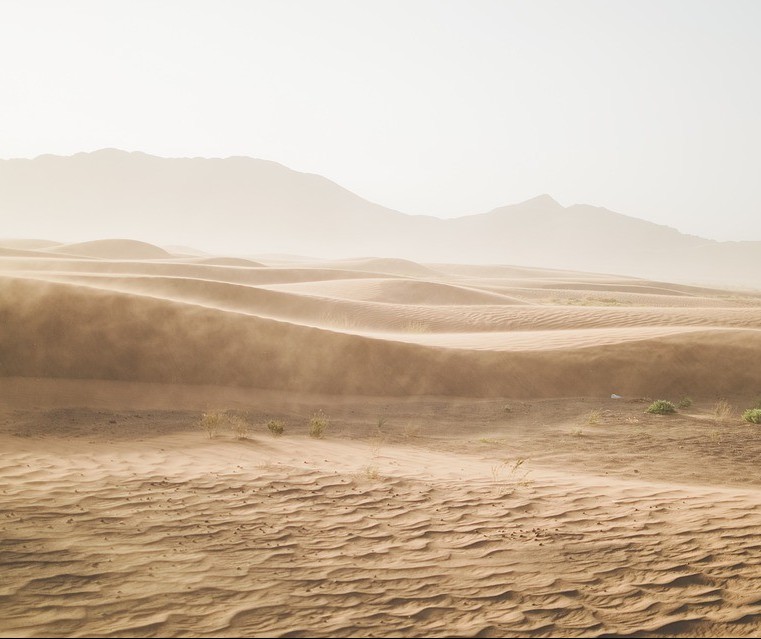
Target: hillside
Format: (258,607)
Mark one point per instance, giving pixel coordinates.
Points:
(247,206)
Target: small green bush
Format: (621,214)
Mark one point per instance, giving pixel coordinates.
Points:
(752,415)
(661,407)
(275,427)
(318,424)
(685,402)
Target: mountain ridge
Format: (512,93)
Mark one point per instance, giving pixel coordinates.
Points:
(243,205)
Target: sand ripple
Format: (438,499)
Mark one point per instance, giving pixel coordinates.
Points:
(146,546)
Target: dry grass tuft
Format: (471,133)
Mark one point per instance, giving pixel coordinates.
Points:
(318,425)
(594,417)
(370,472)
(723,411)
(211,423)
(239,426)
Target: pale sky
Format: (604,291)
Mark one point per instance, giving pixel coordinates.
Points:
(649,108)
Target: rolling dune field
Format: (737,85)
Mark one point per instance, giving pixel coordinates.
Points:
(487,466)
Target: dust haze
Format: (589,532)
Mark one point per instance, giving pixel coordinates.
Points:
(248,208)
(247,389)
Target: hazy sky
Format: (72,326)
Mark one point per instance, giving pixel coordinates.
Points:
(652,109)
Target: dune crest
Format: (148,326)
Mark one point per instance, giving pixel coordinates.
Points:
(345,332)
(112,249)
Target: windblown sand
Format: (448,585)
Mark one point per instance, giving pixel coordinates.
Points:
(476,478)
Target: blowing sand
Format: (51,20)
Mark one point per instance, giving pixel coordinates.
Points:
(476,478)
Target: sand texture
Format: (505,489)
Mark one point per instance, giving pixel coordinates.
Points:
(475,477)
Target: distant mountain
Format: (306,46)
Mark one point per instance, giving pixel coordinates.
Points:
(248,206)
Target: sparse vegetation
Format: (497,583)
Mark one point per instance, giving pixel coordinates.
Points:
(661,407)
(508,468)
(275,427)
(752,415)
(594,417)
(723,411)
(210,423)
(632,420)
(239,426)
(370,472)
(318,425)
(685,402)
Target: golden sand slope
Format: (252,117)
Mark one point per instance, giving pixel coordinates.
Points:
(318,329)
(372,326)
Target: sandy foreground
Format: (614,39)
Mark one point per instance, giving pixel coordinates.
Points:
(475,479)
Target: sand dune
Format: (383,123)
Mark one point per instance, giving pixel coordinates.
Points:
(477,479)
(112,249)
(397,291)
(172,329)
(20,252)
(27,244)
(405,268)
(230,261)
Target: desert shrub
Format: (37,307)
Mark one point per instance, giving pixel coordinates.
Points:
(275,427)
(722,411)
(661,407)
(752,415)
(239,426)
(318,424)
(211,422)
(594,417)
(685,402)
(370,472)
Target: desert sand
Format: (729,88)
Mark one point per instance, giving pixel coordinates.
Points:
(476,478)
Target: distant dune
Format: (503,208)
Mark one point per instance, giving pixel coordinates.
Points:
(112,249)
(29,245)
(230,261)
(511,333)
(247,207)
